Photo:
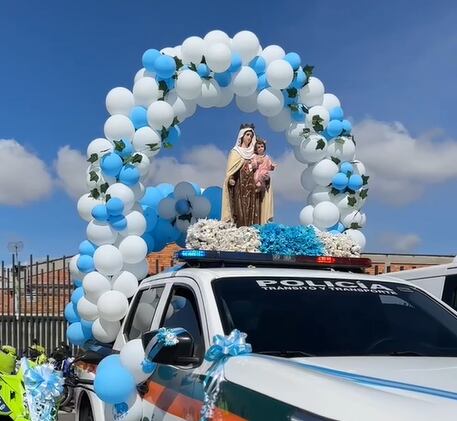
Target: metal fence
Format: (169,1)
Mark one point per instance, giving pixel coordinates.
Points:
(32,302)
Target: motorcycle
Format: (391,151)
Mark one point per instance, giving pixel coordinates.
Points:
(62,360)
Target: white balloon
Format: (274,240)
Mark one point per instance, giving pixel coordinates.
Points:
(94,285)
(357,236)
(146,91)
(358,167)
(324,171)
(136,224)
(306,178)
(119,101)
(188,85)
(133,249)
(99,146)
(133,413)
(100,233)
(92,183)
(270,102)
(160,114)
(166,208)
(281,121)
(108,260)
(143,166)
(201,207)
(85,205)
(342,202)
(363,219)
(225,96)
(272,53)
(75,273)
(112,306)
(168,51)
(144,314)
(87,310)
(217,36)
(247,104)
(312,93)
(246,44)
(244,82)
(295,133)
(143,138)
(330,101)
(218,57)
(178,52)
(279,74)
(181,108)
(119,127)
(184,190)
(209,94)
(306,215)
(311,148)
(142,73)
(140,269)
(105,331)
(192,50)
(354,217)
(125,282)
(325,215)
(297,154)
(342,148)
(319,194)
(132,357)
(318,110)
(124,193)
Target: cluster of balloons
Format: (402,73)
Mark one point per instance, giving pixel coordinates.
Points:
(169,211)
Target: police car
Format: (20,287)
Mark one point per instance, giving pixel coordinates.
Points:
(329,342)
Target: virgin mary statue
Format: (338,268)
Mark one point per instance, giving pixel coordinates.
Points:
(242,202)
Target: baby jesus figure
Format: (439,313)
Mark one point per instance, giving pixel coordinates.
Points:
(263,165)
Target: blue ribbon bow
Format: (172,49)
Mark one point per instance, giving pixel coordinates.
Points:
(222,349)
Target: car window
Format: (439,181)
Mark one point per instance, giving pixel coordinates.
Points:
(182,311)
(143,310)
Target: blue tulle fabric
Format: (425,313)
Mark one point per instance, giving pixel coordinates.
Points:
(288,241)
(43,387)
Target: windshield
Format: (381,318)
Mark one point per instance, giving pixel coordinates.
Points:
(294,317)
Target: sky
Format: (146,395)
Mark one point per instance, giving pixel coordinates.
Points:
(393,64)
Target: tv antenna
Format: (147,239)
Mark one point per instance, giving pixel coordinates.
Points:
(15,247)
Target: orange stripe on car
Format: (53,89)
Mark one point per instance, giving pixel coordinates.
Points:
(182,406)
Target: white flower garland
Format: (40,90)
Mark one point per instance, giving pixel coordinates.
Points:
(339,245)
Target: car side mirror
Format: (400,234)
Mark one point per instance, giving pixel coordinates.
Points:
(180,354)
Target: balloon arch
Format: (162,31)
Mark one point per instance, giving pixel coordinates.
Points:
(126,220)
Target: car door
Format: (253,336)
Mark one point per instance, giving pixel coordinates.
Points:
(171,388)
(450,291)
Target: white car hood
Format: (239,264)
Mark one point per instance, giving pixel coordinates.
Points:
(355,388)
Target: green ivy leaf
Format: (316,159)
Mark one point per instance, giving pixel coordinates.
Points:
(104,187)
(365,179)
(93,158)
(107,197)
(167,145)
(203,60)
(363,193)
(350,191)
(335,160)
(178,62)
(153,146)
(94,176)
(163,87)
(187,217)
(355,226)
(292,92)
(305,133)
(317,123)
(304,108)
(293,107)
(137,158)
(193,66)
(353,139)
(352,201)
(95,193)
(340,140)
(119,145)
(175,121)
(334,191)
(163,133)
(308,70)
(320,144)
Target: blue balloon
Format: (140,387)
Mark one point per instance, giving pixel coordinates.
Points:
(112,360)
(337,228)
(236,63)
(347,126)
(152,197)
(293,59)
(258,64)
(111,164)
(169,81)
(151,216)
(165,66)
(355,182)
(99,213)
(327,135)
(127,150)
(289,100)
(165,189)
(334,128)
(334,232)
(298,115)
(214,195)
(336,113)
(77,283)
(77,294)
(203,70)
(118,222)
(165,232)
(182,206)
(174,133)
(299,79)
(85,263)
(223,79)
(139,117)
(75,334)
(87,328)
(129,175)
(346,168)
(71,313)
(181,242)
(149,239)
(262,83)
(115,206)
(114,383)
(340,181)
(149,58)
(86,247)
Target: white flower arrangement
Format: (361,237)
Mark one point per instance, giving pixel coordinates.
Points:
(339,245)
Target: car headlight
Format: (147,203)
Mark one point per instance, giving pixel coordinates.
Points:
(301,415)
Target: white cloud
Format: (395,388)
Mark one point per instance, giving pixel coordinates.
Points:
(403,167)
(24,177)
(71,167)
(400,243)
